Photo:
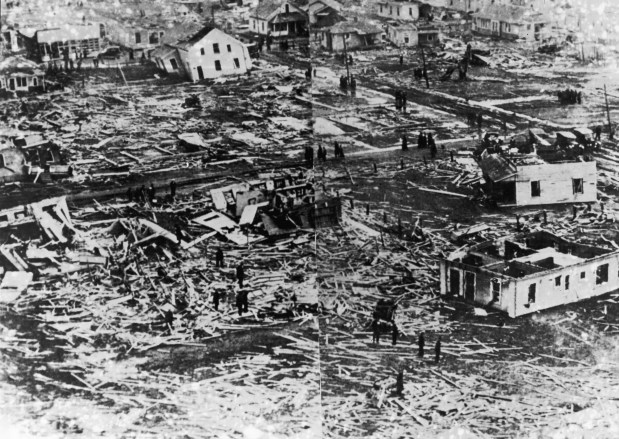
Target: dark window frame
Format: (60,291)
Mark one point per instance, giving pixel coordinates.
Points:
(536,189)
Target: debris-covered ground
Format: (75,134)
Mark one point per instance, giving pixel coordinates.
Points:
(175,266)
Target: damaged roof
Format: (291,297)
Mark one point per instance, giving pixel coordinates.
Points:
(354,27)
(69,32)
(19,65)
(195,37)
(510,14)
(267,7)
(497,167)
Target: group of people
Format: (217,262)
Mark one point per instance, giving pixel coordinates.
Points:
(424,141)
(570,96)
(475,119)
(395,332)
(144,194)
(400,100)
(427,141)
(338,151)
(344,83)
(242,296)
(321,153)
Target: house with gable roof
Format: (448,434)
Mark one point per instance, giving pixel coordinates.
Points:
(278,18)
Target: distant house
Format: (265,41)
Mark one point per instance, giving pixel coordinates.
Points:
(456,5)
(278,18)
(528,180)
(527,273)
(397,10)
(510,22)
(355,35)
(403,34)
(68,41)
(428,34)
(18,74)
(139,35)
(324,13)
(209,53)
(11,40)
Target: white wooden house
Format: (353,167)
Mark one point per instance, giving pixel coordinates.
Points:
(279,19)
(210,53)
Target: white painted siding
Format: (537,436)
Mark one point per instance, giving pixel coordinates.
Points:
(556,183)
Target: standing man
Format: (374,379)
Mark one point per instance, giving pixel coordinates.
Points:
(480,120)
(399,383)
(375,332)
(432,146)
(401,59)
(179,234)
(404,143)
(216,300)
(437,350)
(173,188)
(240,274)
(219,258)
(598,133)
(421,342)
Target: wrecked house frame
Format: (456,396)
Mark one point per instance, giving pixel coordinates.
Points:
(351,36)
(67,42)
(530,272)
(528,180)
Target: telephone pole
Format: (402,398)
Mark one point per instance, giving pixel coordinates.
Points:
(346,60)
(425,70)
(610,127)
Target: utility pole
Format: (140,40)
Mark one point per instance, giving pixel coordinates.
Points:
(425,70)
(610,127)
(346,60)
(582,49)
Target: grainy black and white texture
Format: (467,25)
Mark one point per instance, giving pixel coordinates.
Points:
(309,219)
